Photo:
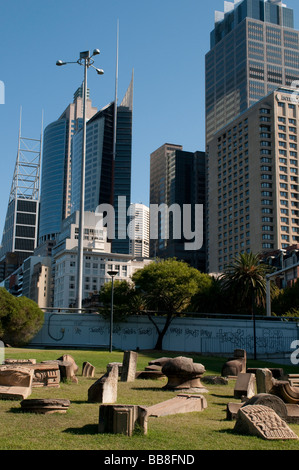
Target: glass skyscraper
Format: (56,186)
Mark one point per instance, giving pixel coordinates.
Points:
(254,49)
(108,165)
(55,203)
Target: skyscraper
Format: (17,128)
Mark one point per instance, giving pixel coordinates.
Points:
(177,185)
(57,167)
(108,165)
(254,49)
(21,223)
(139,230)
(254,191)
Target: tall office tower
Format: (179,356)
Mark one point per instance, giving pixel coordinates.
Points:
(108,166)
(21,223)
(177,185)
(254,193)
(55,203)
(139,228)
(254,49)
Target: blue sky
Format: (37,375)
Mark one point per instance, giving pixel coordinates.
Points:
(164,41)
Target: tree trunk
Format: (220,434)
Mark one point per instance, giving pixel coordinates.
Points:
(161,334)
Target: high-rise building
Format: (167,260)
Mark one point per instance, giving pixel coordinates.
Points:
(108,166)
(254,49)
(177,187)
(254,188)
(21,224)
(57,167)
(139,229)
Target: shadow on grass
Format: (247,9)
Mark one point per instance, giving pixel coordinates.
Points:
(87,429)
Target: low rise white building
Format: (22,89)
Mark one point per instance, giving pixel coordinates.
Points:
(98,260)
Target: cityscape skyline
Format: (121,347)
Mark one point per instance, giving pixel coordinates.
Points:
(42,90)
(168,62)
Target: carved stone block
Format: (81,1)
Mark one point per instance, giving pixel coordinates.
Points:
(261,421)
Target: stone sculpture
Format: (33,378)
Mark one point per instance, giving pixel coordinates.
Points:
(245,386)
(183,374)
(261,421)
(122,419)
(88,370)
(235,365)
(182,403)
(45,406)
(129,366)
(15,382)
(104,390)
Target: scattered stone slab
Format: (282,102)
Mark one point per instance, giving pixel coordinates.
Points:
(88,370)
(277,372)
(284,390)
(149,375)
(66,370)
(122,419)
(159,362)
(118,364)
(184,375)
(261,421)
(129,366)
(264,380)
(232,410)
(245,386)
(15,382)
(235,365)
(293,379)
(45,406)
(20,362)
(45,375)
(104,390)
(183,403)
(293,413)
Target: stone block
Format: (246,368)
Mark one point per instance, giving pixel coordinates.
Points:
(88,370)
(122,419)
(183,403)
(15,382)
(261,421)
(245,386)
(264,380)
(45,406)
(104,390)
(129,366)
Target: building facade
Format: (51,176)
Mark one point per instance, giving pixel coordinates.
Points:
(108,166)
(254,49)
(57,167)
(139,230)
(177,185)
(98,260)
(253,181)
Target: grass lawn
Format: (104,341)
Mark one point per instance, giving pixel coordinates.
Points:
(77,429)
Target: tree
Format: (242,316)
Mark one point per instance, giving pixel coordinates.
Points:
(245,281)
(287,300)
(168,286)
(125,300)
(20,319)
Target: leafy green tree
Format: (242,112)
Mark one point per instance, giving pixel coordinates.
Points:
(20,319)
(287,300)
(168,286)
(125,300)
(245,281)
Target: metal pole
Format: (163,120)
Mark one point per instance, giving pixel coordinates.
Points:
(111,315)
(82,200)
(268,296)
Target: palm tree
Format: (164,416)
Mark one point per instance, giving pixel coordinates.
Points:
(245,279)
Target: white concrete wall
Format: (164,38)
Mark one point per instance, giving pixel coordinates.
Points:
(201,335)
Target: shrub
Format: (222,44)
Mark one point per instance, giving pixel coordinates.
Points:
(20,319)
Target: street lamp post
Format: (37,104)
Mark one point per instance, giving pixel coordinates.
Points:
(111,273)
(87,61)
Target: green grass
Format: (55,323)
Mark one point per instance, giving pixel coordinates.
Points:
(77,429)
